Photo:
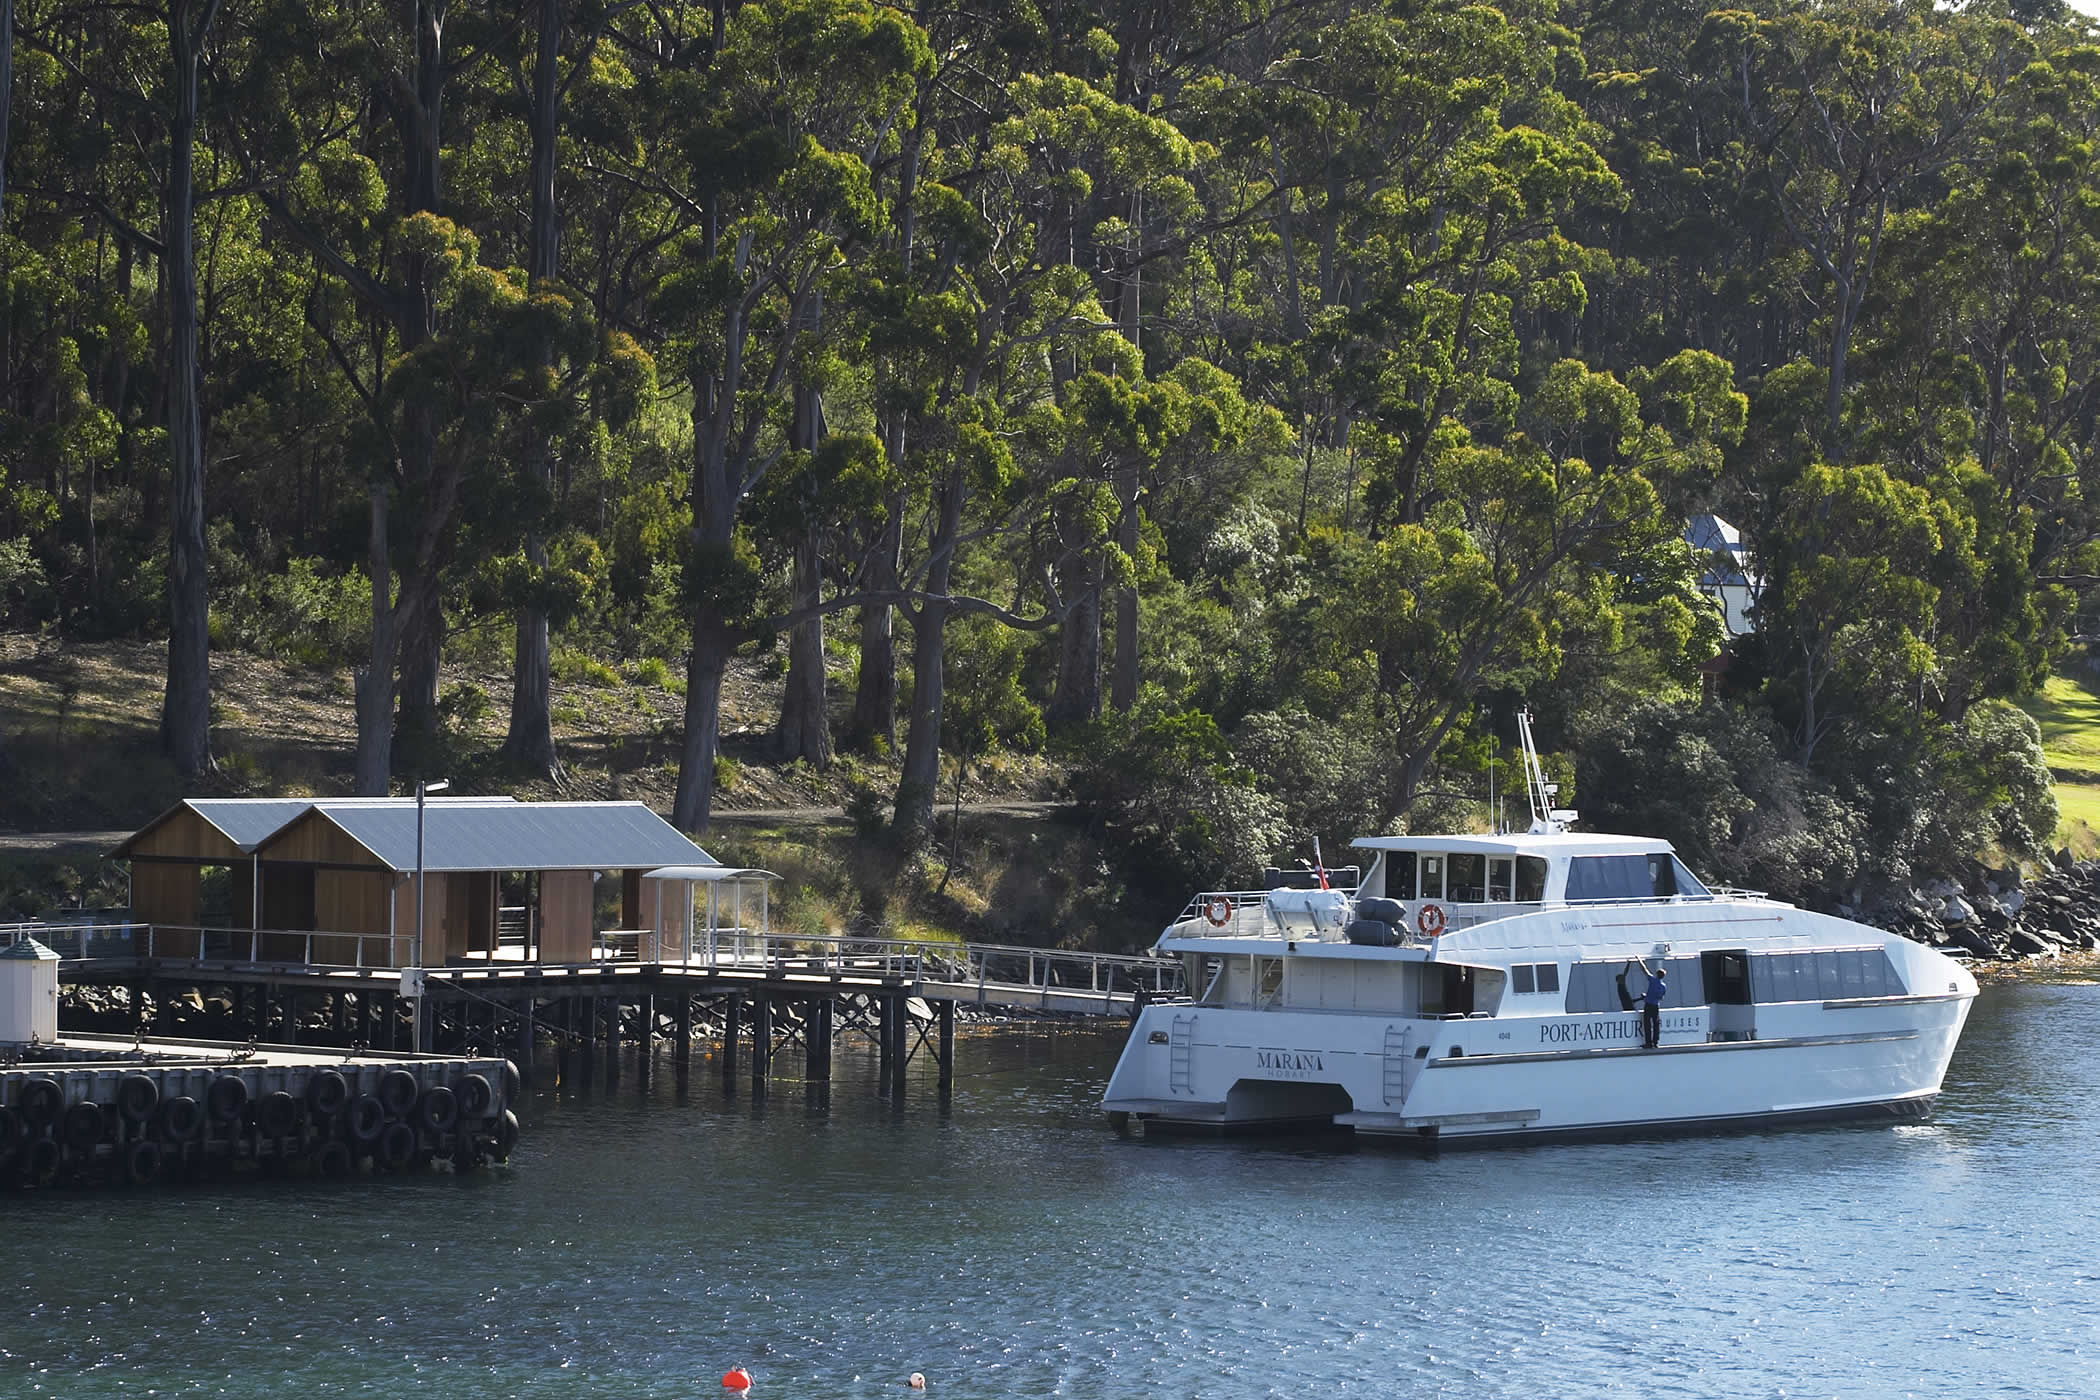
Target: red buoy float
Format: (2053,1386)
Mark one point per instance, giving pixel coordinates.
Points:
(736,1378)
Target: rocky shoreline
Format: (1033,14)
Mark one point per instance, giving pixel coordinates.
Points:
(2000,916)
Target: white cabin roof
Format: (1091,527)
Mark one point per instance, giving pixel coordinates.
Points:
(1561,843)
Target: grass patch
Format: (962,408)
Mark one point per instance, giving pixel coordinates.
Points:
(2068,713)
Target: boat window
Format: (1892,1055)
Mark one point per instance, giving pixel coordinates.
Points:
(1467,878)
(1432,873)
(1688,884)
(1400,874)
(1845,974)
(1652,876)
(1619,986)
(1531,879)
(1501,882)
(1535,977)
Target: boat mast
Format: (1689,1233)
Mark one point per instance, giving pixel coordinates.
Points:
(1546,819)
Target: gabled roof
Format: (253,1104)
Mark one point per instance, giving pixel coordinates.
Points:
(249,821)
(505,835)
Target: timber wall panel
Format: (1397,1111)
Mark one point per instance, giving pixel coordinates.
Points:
(566,918)
(168,894)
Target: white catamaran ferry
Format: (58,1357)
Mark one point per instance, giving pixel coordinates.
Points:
(1488,988)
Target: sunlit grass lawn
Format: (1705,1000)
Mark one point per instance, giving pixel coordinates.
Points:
(2068,712)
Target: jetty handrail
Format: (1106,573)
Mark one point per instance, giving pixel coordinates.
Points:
(998,970)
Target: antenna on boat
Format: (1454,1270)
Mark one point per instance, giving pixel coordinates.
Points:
(1546,819)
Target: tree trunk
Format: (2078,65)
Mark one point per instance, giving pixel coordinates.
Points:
(421,624)
(919,784)
(185,726)
(375,684)
(694,802)
(530,742)
(7,88)
(1077,698)
(875,697)
(1123,683)
(422,639)
(804,730)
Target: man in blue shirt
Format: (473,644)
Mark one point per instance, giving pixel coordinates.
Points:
(1651,1007)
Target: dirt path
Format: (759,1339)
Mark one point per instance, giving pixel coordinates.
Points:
(60,840)
(1016,808)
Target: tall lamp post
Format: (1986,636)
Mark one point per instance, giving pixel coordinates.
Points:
(417,1024)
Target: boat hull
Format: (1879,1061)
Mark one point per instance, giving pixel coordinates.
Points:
(1506,1079)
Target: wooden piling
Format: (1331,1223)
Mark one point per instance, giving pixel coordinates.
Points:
(902,1056)
(885,1039)
(645,1039)
(947,1046)
(732,1030)
(761,1041)
(816,1040)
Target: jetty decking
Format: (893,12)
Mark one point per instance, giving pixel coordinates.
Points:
(761,994)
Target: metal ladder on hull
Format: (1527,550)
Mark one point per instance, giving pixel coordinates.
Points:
(1184,1029)
(1399,1064)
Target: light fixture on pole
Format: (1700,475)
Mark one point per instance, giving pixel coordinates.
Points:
(416,955)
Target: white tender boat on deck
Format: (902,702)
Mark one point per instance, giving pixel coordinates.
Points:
(1484,988)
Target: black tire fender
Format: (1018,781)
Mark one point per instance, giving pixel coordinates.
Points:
(477,1097)
(40,1160)
(439,1111)
(142,1161)
(41,1100)
(334,1159)
(277,1114)
(398,1090)
(397,1146)
(326,1093)
(367,1119)
(506,1135)
(137,1096)
(227,1098)
(84,1125)
(181,1119)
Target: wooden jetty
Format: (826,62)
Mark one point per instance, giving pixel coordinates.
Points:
(382,924)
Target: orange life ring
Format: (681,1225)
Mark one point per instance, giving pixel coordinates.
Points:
(1218,909)
(1430,920)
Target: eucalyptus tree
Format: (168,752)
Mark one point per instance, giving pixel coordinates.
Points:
(1852,110)
(370,213)
(541,92)
(1533,533)
(1010,317)
(774,139)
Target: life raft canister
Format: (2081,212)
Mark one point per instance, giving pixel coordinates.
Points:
(1430,920)
(1217,909)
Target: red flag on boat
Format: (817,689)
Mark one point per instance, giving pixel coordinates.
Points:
(1319,866)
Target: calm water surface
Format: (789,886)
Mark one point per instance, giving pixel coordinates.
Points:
(641,1243)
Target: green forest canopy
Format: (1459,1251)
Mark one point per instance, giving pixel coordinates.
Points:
(1257,400)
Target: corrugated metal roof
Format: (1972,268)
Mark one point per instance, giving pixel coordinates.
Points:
(249,821)
(466,836)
